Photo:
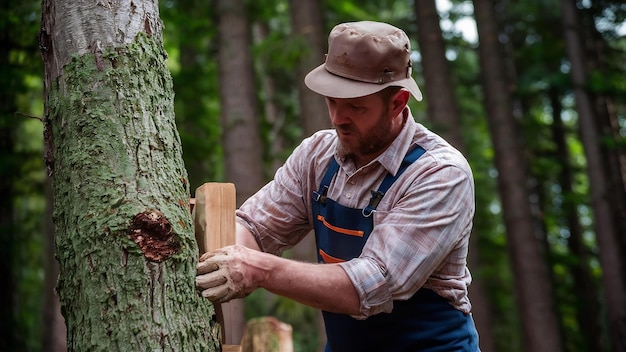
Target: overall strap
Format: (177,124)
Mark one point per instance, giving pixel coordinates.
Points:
(409,158)
(320,195)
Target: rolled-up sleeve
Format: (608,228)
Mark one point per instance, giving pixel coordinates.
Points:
(372,286)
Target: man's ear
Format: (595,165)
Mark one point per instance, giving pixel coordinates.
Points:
(399,101)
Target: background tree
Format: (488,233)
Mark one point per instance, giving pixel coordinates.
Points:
(444,115)
(309,31)
(532,275)
(240,120)
(604,198)
(124,237)
(9,159)
(21,175)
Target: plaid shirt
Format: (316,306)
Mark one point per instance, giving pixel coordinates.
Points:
(421,226)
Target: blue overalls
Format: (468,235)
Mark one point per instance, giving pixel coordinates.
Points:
(425,322)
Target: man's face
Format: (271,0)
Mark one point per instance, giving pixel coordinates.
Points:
(363,125)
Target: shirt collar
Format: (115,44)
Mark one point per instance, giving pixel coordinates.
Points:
(400,146)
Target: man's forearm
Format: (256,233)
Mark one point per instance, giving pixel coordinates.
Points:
(323,286)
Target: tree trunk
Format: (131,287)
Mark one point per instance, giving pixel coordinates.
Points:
(443,113)
(124,239)
(606,231)
(307,25)
(53,331)
(532,277)
(9,334)
(442,107)
(586,291)
(240,132)
(607,108)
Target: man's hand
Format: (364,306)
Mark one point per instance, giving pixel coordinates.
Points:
(226,273)
(235,271)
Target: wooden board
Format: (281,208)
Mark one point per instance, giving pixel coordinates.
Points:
(214,216)
(214,226)
(213,212)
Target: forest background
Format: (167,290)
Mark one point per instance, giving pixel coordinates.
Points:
(538,108)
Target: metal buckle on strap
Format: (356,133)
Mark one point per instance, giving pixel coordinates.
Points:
(371,208)
(320,197)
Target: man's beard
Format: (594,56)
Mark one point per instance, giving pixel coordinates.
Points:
(378,138)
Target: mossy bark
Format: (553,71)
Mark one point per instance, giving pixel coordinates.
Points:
(125,240)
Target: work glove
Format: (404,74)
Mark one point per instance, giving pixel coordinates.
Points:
(223,274)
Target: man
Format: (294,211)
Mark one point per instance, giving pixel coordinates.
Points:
(391,204)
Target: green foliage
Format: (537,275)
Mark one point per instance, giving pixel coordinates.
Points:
(193,64)
(277,57)
(22,174)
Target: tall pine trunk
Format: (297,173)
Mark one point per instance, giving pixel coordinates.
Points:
(240,121)
(9,334)
(586,291)
(443,113)
(238,104)
(124,238)
(532,276)
(607,234)
(307,26)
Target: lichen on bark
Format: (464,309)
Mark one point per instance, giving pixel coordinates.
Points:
(117,154)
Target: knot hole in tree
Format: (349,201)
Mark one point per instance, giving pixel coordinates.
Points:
(152,231)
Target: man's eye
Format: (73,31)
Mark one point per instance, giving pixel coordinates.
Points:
(357,108)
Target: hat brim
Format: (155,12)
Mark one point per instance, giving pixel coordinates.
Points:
(327,84)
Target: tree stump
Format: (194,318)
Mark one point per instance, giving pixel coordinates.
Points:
(267,334)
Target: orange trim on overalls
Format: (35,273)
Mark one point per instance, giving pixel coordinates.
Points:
(357,233)
(329,258)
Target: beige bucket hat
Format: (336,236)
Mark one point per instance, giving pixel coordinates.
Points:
(364,58)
